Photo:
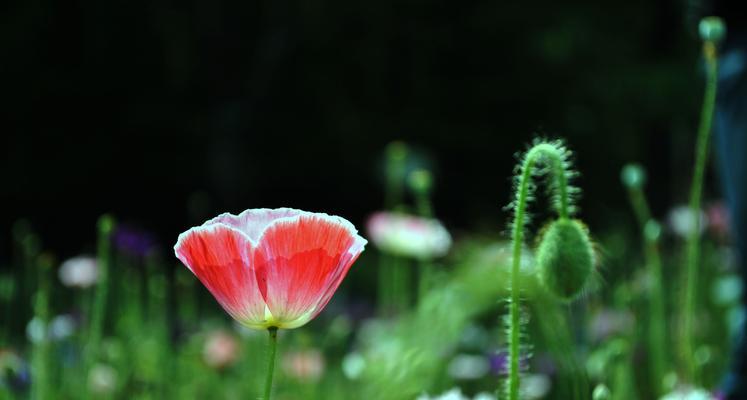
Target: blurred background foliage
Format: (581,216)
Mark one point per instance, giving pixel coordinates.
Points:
(164,113)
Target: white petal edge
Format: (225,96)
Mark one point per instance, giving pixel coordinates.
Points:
(357,247)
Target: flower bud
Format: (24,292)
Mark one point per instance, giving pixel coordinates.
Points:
(420,180)
(712,29)
(633,176)
(565,258)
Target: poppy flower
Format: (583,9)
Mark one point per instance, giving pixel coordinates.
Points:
(271,268)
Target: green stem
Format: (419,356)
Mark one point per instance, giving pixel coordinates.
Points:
(41,348)
(425,280)
(696,191)
(657,319)
(103,259)
(542,152)
(401,282)
(424,208)
(396,156)
(384,286)
(271,355)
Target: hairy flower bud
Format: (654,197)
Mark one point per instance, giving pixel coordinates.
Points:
(565,258)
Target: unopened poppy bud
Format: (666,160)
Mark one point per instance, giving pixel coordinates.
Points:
(420,180)
(106,224)
(565,258)
(633,176)
(712,29)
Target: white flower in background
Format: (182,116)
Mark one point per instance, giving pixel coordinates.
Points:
(407,235)
(727,290)
(534,386)
(62,327)
(102,379)
(353,365)
(456,394)
(681,221)
(467,366)
(304,365)
(688,393)
(80,272)
(609,322)
(220,350)
(36,330)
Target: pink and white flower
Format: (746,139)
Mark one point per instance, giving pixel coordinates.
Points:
(271,267)
(409,236)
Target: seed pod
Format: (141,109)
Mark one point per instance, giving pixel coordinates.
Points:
(565,258)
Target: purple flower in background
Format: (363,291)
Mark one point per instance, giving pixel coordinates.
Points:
(14,371)
(499,362)
(132,241)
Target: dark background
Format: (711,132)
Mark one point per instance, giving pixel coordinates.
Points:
(166,113)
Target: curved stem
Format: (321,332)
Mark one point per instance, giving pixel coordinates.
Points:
(554,155)
(272,351)
(693,242)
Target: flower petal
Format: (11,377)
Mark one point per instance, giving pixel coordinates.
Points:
(253,222)
(300,262)
(219,256)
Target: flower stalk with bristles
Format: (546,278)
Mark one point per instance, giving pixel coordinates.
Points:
(565,255)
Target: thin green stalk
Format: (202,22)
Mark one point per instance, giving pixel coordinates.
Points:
(696,191)
(40,387)
(396,155)
(425,280)
(103,259)
(401,280)
(421,182)
(271,355)
(657,318)
(384,292)
(553,155)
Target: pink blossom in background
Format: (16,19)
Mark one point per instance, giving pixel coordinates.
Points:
(409,236)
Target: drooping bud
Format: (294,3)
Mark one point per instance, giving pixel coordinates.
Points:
(712,29)
(565,258)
